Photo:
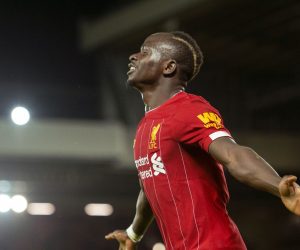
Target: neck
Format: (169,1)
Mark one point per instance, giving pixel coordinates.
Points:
(155,97)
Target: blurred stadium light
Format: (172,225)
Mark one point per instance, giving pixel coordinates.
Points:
(41,208)
(4,203)
(98,209)
(20,116)
(18,203)
(159,246)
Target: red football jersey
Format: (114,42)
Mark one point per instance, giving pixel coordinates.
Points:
(184,185)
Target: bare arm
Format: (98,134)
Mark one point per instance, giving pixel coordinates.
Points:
(245,165)
(248,167)
(142,220)
(143,216)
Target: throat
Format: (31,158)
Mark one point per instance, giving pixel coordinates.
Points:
(149,108)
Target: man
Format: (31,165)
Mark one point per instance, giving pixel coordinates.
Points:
(180,148)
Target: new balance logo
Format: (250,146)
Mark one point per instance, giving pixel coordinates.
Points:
(157,166)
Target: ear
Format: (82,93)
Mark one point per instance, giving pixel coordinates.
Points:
(170,67)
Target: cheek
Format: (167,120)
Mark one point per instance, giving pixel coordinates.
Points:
(151,70)
(148,68)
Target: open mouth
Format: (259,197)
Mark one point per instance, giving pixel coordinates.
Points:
(132,68)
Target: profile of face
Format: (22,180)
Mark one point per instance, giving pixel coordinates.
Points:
(147,65)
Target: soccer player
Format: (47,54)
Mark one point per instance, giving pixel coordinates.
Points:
(180,148)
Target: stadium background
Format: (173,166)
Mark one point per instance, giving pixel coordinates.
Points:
(67,62)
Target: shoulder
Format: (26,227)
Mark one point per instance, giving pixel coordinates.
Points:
(195,102)
(192,106)
(140,124)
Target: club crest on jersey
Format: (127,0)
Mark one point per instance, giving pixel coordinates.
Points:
(153,139)
(210,119)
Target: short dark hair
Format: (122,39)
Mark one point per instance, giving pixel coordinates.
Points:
(188,54)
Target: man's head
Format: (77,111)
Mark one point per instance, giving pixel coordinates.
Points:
(165,55)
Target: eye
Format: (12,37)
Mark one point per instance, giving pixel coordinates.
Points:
(144,51)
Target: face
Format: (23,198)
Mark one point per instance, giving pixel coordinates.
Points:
(146,66)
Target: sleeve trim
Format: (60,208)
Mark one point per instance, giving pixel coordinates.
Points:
(218,134)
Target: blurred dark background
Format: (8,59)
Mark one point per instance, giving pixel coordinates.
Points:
(66,62)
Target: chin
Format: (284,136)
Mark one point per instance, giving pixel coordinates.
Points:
(131,81)
(134,84)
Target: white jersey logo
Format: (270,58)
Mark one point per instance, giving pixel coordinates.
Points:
(157,166)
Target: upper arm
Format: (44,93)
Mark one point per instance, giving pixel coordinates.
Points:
(232,155)
(223,150)
(245,165)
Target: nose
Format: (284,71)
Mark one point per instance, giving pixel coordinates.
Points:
(133,57)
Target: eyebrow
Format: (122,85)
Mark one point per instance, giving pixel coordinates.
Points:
(144,47)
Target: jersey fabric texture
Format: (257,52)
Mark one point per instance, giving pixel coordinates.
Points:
(185,186)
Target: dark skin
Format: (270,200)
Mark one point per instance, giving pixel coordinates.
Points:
(156,75)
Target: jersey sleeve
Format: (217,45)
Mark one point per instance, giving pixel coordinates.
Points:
(199,123)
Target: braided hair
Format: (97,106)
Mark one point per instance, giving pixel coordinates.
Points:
(188,54)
